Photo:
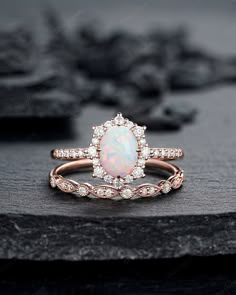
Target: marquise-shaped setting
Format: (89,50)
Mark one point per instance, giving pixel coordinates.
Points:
(102,191)
(148,190)
(53,181)
(177,182)
(66,185)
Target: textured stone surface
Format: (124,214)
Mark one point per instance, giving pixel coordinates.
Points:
(208,189)
(87,238)
(198,219)
(118,151)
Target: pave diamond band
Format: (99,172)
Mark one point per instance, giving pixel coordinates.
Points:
(115,192)
(81,153)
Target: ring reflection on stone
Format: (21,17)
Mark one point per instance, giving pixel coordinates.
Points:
(118,152)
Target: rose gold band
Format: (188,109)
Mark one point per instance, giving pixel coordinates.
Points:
(82,153)
(112,192)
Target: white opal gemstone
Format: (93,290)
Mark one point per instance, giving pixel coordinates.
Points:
(118,154)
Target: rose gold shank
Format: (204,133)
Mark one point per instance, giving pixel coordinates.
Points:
(143,190)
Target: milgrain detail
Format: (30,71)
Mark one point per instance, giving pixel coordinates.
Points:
(123,192)
(66,185)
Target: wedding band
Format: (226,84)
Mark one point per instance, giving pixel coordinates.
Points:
(112,192)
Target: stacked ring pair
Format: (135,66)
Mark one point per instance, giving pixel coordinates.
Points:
(118,154)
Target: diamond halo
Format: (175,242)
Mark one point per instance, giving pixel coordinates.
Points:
(143,151)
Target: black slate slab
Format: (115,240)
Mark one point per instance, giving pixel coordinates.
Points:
(43,224)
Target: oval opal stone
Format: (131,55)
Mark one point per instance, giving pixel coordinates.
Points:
(118,153)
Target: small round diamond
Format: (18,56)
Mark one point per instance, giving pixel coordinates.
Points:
(99,131)
(172,153)
(108,124)
(118,182)
(164,153)
(92,151)
(126,193)
(142,141)
(98,171)
(141,162)
(129,178)
(137,172)
(108,178)
(119,120)
(166,187)
(157,153)
(72,153)
(108,192)
(79,154)
(144,192)
(151,190)
(100,192)
(145,152)
(83,190)
(58,154)
(129,124)
(66,154)
(95,141)
(96,162)
(138,131)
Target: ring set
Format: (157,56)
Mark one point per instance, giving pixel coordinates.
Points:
(118,153)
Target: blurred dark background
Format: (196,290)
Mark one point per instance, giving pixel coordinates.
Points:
(59,57)
(67,65)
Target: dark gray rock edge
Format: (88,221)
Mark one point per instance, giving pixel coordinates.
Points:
(79,239)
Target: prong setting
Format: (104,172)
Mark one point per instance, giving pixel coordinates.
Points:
(143,151)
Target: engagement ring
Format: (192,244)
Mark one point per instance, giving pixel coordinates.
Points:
(118,154)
